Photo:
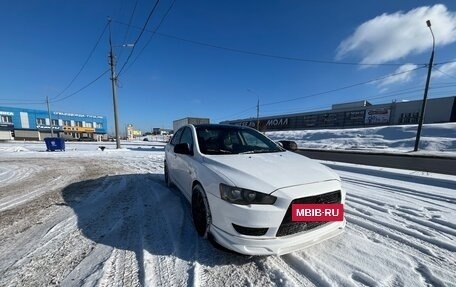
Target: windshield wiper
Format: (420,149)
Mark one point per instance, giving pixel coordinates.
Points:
(257,151)
(247,152)
(218,151)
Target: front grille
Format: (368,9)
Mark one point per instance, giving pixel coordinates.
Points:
(289,227)
(250,230)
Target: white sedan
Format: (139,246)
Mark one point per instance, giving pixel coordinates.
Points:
(241,187)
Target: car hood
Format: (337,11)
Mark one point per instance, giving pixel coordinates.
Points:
(268,172)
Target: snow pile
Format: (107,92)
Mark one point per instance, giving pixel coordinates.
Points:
(434,137)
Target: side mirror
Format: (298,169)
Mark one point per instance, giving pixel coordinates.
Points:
(289,145)
(183,148)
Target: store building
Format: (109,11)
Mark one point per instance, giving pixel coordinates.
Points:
(358,114)
(29,124)
(132,133)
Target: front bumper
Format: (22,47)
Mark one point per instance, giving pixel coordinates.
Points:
(271,218)
(278,245)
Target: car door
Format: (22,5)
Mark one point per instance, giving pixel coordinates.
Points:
(185,164)
(171,156)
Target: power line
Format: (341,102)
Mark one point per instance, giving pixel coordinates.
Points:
(22,103)
(276,56)
(153,33)
(139,37)
(337,89)
(263,54)
(342,88)
(83,65)
(128,28)
(358,99)
(66,97)
(83,88)
(446,74)
(237,114)
(55,98)
(313,108)
(444,63)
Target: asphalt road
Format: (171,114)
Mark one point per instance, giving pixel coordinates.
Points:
(445,165)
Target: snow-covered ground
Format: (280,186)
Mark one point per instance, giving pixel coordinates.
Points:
(86,217)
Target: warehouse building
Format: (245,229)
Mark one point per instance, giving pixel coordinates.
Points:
(358,114)
(185,121)
(29,124)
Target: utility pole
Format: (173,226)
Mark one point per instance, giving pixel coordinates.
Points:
(426,88)
(114,86)
(257,109)
(50,118)
(258,114)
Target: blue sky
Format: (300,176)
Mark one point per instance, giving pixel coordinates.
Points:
(216,59)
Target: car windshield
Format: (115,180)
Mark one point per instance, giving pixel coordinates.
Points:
(233,140)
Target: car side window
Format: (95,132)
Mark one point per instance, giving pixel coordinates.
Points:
(187,137)
(176,138)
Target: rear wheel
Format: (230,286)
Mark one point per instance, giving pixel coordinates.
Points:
(167,179)
(200,211)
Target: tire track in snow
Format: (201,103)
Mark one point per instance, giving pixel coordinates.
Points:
(403,191)
(433,226)
(359,209)
(282,273)
(390,235)
(443,223)
(414,225)
(163,246)
(363,278)
(408,223)
(365,202)
(423,237)
(428,276)
(14,173)
(444,257)
(111,215)
(29,249)
(303,268)
(48,229)
(436,242)
(49,264)
(100,223)
(409,213)
(193,261)
(41,178)
(11,201)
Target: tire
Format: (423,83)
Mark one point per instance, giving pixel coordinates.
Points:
(201,213)
(168,181)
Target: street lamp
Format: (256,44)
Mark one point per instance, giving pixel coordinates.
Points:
(423,104)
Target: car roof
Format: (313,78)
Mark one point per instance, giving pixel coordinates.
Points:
(221,126)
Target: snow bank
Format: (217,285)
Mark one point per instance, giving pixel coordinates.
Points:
(434,138)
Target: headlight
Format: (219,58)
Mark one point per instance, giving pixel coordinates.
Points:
(243,196)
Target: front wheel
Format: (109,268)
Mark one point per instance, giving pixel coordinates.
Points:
(200,211)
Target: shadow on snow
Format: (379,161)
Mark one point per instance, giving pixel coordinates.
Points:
(138,212)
